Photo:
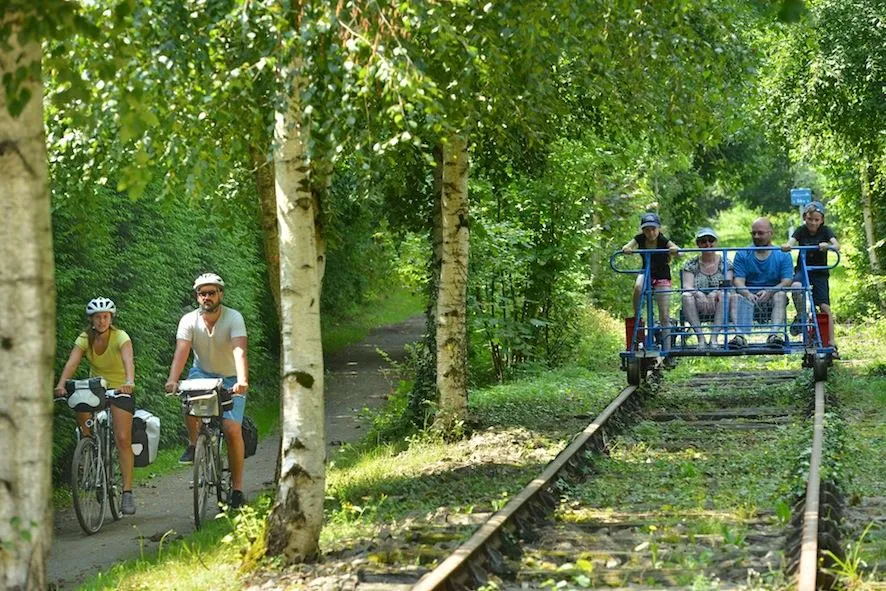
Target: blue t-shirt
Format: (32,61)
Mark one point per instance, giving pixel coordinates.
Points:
(756,273)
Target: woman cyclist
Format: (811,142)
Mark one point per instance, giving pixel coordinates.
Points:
(109,353)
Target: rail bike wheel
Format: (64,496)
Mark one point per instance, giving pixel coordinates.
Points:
(88,485)
(635,371)
(204,478)
(820,368)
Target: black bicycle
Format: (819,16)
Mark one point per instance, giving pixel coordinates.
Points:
(96,480)
(207,399)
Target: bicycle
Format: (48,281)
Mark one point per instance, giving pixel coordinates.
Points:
(96,480)
(207,399)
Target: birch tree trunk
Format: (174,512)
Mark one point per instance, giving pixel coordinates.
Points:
(452,297)
(267,200)
(297,514)
(869,232)
(868,216)
(27,324)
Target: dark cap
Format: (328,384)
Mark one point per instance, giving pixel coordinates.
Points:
(814,206)
(650,220)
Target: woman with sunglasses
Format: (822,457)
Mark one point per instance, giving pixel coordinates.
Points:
(703,277)
(108,350)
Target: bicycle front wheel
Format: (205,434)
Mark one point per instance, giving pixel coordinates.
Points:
(204,478)
(223,472)
(88,485)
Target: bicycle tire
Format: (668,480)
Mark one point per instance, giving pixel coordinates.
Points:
(88,485)
(204,479)
(113,474)
(223,471)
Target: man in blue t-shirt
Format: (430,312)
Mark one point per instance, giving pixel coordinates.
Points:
(760,279)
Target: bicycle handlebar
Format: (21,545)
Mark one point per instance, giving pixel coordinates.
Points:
(113,393)
(220,389)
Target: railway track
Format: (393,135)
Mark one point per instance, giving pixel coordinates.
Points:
(684,485)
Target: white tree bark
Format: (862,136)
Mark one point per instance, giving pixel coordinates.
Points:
(27,327)
(297,515)
(868,216)
(452,299)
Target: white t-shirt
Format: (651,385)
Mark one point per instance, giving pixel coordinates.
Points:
(213,352)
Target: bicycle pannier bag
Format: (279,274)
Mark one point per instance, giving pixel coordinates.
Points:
(250,436)
(87,395)
(145,437)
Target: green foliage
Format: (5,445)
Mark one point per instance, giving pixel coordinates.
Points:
(824,94)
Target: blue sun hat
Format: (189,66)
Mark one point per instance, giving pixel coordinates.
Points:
(650,220)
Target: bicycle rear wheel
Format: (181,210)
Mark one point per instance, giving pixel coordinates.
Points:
(115,476)
(204,478)
(88,485)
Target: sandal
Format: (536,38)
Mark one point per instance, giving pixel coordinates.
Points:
(775,340)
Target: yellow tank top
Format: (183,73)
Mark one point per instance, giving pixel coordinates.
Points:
(109,364)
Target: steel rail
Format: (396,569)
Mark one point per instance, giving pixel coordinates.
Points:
(808,571)
(459,560)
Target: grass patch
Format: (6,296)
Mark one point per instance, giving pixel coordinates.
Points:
(395,306)
(211,558)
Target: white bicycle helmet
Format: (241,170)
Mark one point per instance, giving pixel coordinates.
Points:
(208,279)
(100,305)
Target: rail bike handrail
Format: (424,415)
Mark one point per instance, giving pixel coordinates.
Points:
(646,252)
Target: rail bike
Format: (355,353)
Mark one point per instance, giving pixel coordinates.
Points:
(649,343)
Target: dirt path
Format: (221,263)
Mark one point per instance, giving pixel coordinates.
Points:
(354,379)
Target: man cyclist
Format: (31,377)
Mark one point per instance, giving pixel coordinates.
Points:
(217,335)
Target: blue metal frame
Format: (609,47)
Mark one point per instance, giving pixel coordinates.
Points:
(650,348)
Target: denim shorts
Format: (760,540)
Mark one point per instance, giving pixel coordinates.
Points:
(239,400)
(821,290)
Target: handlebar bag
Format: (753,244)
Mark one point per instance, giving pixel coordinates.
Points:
(200,394)
(87,395)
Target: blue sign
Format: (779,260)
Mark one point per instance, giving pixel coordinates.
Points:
(801,196)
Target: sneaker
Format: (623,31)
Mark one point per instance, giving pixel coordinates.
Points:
(775,340)
(836,353)
(128,505)
(237,499)
(796,326)
(188,456)
(737,342)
